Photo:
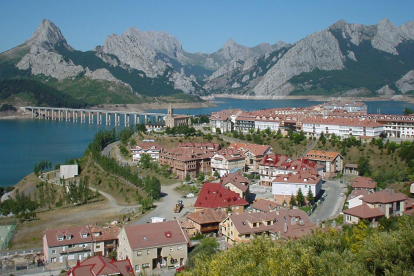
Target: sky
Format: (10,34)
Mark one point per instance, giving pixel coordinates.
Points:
(201,26)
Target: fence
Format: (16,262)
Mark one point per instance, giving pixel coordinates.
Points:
(6,230)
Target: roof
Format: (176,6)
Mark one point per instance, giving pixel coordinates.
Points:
(147,146)
(208,146)
(357,193)
(298,223)
(99,265)
(363,211)
(310,177)
(214,195)
(264,205)
(229,154)
(224,114)
(155,234)
(187,224)
(207,216)
(73,232)
(254,149)
(352,166)
(364,183)
(322,155)
(237,180)
(274,160)
(330,120)
(384,196)
(105,233)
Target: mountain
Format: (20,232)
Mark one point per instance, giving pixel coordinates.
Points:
(345,59)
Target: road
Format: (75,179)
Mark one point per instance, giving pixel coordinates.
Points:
(333,203)
(165,208)
(107,150)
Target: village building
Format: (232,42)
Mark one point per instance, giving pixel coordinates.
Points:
(224,120)
(101,266)
(332,162)
(153,245)
(150,148)
(104,239)
(172,120)
(286,185)
(354,198)
(236,182)
(280,224)
(218,197)
(188,227)
(66,244)
(187,161)
(263,205)
(349,106)
(351,169)
(269,167)
(254,154)
(213,147)
(227,161)
(364,183)
(207,220)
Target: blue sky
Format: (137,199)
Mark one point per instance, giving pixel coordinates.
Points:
(200,25)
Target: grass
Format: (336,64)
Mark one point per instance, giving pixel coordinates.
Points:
(185,189)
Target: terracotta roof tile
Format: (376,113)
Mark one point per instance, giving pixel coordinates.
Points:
(99,265)
(237,180)
(363,211)
(364,183)
(214,195)
(74,232)
(322,155)
(264,205)
(207,216)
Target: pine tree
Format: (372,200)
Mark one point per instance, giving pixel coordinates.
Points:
(292,201)
(300,198)
(310,197)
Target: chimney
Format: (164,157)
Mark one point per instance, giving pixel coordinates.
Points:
(285,227)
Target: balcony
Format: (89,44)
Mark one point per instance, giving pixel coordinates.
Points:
(75,249)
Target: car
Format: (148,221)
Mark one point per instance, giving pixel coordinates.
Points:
(181,268)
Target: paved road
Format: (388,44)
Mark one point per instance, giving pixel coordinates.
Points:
(333,203)
(165,208)
(107,150)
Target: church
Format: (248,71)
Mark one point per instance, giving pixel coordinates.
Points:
(172,120)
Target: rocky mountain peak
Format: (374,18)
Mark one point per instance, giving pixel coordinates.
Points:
(338,25)
(47,36)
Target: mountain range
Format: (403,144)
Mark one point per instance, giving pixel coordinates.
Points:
(343,60)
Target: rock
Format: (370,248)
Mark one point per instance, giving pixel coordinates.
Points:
(104,74)
(386,91)
(227,68)
(351,55)
(245,78)
(406,83)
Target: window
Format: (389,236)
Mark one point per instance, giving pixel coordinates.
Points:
(137,268)
(148,252)
(60,238)
(139,253)
(53,251)
(171,249)
(84,235)
(180,247)
(146,265)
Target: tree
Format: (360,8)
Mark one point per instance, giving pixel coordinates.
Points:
(408,111)
(310,197)
(146,203)
(165,170)
(363,166)
(218,130)
(292,201)
(145,160)
(203,251)
(300,198)
(187,178)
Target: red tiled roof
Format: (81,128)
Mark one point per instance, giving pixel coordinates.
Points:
(384,196)
(364,183)
(363,211)
(214,195)
(264,205)
(341,121)
(74,232)
(252,148)
(322,155)
(208,215)
(99,265)
(310,177)
(105,233)
(155,234)
(356,193)
(230,154)
(274,160)
(237,180)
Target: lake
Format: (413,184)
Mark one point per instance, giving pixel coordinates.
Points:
(24,143)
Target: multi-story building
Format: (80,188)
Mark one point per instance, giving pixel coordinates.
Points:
(101,266)
(224,120)
(213,147)
(364,183)
(218,197)
(187,161)
(228,160)
(254,153)
(349,106)
(286,185)
(236,182)
(280,224)
(153,245)
(172,120)
(270,166)
(264,206)
(104,239)
(149,148)
(69,243)
(207,220)
(332,162)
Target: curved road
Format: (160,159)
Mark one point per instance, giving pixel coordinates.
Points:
(333,203)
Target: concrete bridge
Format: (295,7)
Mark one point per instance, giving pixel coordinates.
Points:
(91,115)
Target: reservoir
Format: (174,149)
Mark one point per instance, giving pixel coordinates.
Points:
(24,143)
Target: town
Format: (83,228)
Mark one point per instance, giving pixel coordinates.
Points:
(235,189)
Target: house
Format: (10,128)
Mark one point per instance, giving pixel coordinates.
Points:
(354,198)
(254,154)
(268,167)
(224,120)
(149,148)
(236,182)
(69,243)
(286,185)
(104,239)
(188,227)
(351,169)
(101,266)
(263,205)
(187,161)
(228,160)
(280,224)
(207,220)
(153,245)
(210,147)
(376,205)
(330,160)
(68,171)
(172,120)
(218,197)
(364,183)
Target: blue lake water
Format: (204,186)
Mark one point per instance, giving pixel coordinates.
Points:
(24,143)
